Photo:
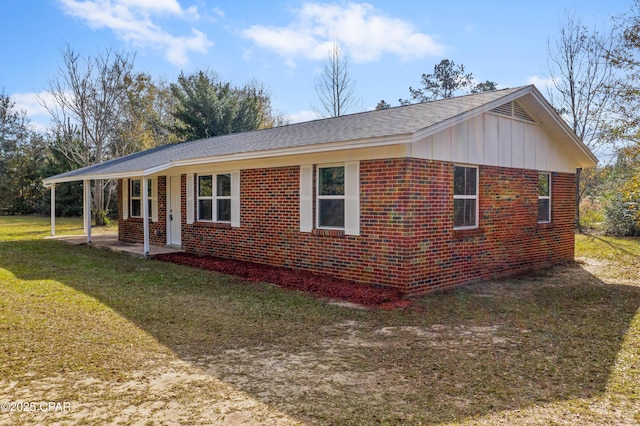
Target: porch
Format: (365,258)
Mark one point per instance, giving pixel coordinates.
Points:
(109,241)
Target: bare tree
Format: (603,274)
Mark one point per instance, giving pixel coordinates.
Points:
(88,95)
(581,77)
(334,86)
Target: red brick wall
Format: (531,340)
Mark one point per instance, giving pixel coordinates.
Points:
(509,239)
(132,230)
(407,238)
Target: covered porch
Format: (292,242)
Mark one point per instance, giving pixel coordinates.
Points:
(108,240)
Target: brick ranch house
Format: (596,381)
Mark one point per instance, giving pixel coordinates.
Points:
(418,197)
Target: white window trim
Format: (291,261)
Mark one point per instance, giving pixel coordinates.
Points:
(545,197)
(152,198)
(233,198)
(190,183)
(306,198)
(470,197)
(319,197)
(125,199)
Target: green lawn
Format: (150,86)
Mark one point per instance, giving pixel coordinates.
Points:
(126,340)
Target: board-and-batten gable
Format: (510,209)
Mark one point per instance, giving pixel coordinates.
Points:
(495,140)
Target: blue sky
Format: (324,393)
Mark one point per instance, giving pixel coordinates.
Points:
(284,44)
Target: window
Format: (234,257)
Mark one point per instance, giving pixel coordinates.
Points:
(544,197)
(135,197)
(214,198)
(331,197)
(465,197)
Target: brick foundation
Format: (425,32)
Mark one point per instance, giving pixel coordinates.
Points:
(406,226)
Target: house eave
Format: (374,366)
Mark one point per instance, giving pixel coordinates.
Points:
(558,121)
(243,156)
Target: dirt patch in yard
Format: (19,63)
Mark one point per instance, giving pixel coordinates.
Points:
(165,392)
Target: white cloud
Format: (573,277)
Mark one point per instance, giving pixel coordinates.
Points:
(31,104)
(168,6)
(300,116)
(131,21)
(543,84)
(363,31)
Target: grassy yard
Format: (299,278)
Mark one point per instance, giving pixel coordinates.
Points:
(126,341)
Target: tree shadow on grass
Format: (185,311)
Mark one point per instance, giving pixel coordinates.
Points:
(473,351)
(619,249)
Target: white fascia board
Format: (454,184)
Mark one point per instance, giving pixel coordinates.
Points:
(281,152)
(559,121)
(105,176)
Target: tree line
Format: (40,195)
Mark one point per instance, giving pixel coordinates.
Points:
(595,86)
(102,108)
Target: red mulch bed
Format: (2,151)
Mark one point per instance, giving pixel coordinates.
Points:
(320,285)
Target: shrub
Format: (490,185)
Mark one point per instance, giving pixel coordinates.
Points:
(620,217)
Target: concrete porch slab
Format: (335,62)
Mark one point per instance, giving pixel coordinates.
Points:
(109,241)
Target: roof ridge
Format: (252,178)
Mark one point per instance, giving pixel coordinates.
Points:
(321,119)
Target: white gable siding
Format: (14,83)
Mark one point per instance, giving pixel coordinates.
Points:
(460,142)
(442,145)
(517,144)
(505,139)
(491,148)
(494,140)
(542,151)
(530,147)
(476,138)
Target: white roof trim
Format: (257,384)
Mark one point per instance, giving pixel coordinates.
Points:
(563,124)
(252,155)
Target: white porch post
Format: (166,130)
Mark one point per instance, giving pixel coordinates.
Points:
(84,203)
(87,209)
(145,213)
(53,209)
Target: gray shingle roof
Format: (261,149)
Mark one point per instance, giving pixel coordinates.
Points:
(396,121)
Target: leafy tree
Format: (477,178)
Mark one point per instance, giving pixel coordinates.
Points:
(382,105)
(334,87)
(623,128)
(485,86)
(622,202)
(205,107)
(146,113)
(625,58)
(446,81)
(68,194)
(22,152)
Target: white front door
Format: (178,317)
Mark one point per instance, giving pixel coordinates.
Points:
(174,212)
